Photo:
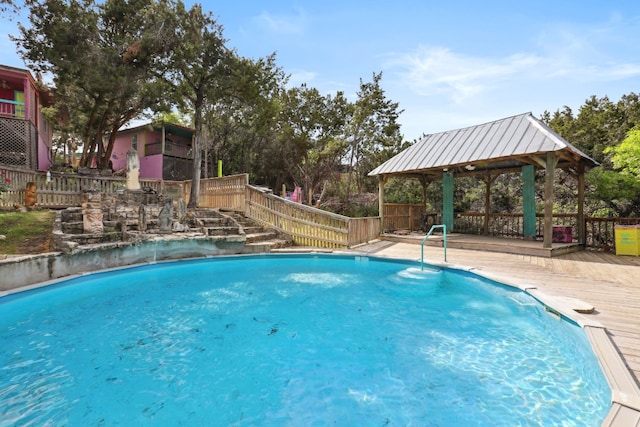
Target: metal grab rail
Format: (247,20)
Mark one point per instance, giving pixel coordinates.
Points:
(444,232)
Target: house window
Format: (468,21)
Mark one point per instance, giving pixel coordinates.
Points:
(134,142)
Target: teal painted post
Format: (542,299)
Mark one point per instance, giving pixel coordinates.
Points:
(447,200)
(529,201)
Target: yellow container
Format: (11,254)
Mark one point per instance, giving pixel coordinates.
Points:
(627,239)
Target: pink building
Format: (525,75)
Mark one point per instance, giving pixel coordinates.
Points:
(25,135)
(164,150)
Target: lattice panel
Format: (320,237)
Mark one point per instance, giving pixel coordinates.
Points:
(17,142)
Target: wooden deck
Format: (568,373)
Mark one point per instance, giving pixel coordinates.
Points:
(609,283)
(485,243)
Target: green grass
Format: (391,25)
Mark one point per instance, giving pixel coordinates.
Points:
(26,232)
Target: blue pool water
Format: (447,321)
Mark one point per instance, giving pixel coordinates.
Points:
(292,341)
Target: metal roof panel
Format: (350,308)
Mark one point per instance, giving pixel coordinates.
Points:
(514,136)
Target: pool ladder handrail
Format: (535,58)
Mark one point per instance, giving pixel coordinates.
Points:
(444,233)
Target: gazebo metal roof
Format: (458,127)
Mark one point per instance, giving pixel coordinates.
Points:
(500,146)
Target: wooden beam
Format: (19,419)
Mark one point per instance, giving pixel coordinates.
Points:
(488,180)
(424,182)
(381,180)
(582,232)
(529,201)
(540,161)
(548,199)
(447,200)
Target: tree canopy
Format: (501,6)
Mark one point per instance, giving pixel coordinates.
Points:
(607,132)
(112,61)
(115,60)
(104,58)
(199,73)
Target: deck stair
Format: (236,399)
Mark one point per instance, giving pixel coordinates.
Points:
(211,222)
(259,238)
(201,221)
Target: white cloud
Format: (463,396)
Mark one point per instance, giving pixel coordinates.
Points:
(591,53)
(440,71)
(287,24)
(298,77)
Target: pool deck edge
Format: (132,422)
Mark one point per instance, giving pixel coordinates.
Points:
(625,394)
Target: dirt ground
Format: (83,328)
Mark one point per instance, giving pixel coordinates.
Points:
(35,245)
(34,241)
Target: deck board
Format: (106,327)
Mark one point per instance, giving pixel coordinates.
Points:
(608,282)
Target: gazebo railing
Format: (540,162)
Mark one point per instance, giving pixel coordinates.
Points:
(599,232)
(507,224)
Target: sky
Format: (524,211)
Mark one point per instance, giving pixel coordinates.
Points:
(449,64)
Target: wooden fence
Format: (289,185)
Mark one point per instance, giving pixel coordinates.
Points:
(309,226)
(226,192)
(600,232)
(398,216)
(63,190)
(506,224)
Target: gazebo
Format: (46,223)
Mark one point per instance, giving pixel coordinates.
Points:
(520,143)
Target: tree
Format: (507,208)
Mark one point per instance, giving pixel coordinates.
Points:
(626,156)
(242,125)
(173,117)
(8,7)
(200,71)
(598,130)
(620,188)
(373,131)
(311,138)
(105,60)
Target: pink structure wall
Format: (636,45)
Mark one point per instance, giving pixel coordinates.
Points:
(121,145)
(21,98)
(150,165)
(150,149)
(45,160)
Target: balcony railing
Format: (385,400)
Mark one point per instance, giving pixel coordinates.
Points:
(170,149)
(11,109)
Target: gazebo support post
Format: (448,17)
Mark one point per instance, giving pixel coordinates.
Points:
(381,180)
(447,200)
(487,203)
(529,202)
(548,199)
(582,232)
(424,182)
(488,181)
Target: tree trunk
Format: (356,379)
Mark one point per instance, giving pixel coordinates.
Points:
(194,196)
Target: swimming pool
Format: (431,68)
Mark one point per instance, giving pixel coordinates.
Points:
(292,340)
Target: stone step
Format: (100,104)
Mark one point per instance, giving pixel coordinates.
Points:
(266,246)
(221,231)
(214,222)
(207,213)
(76,227)
(92,239)
(252,229)
(261,236)
(249,225)
(71,215)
